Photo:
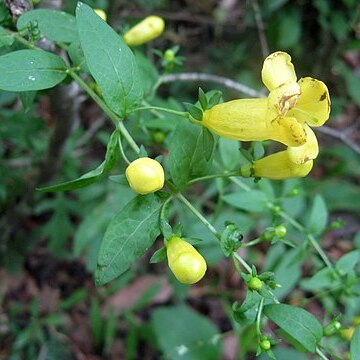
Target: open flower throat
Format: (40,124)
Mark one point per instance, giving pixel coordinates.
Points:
(285,116)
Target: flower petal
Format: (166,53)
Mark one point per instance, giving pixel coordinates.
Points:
(283,98)
(308,151)
(278,70)
(276,166)
(286,130)
(313,106)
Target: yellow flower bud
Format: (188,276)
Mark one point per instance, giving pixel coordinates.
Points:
(145,175)
(101,13)
(184,261)
(277,166)
(145,31)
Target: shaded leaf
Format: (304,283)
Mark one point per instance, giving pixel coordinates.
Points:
(192,336)
(129,235)
(296,322)
(56,25)
(29,70)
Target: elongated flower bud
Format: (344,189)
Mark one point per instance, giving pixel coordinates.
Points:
(185,262)
(146,30)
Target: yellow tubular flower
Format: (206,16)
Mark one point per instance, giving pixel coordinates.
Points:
(277,166)
(247,120)
(282,116)
(146,30)
(145,175)
(184,261)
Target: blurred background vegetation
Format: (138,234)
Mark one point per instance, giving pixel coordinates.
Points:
(49,306)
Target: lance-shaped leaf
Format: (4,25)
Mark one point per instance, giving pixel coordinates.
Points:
(28,70)
(93,175)
(129,235)
(298,323)
(191,153)
(110,61)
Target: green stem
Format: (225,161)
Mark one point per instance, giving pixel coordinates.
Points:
(243,262)
(198,214)
(252,242)
(21,40)
(236,264)
(310,237)
(321,354)
(114,118)
(296,225)
(214,176)
(175,112)
(122,150)
(258,316)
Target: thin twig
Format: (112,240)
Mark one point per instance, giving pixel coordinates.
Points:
(231,84)
(94,127)
(341,135)
(261,28)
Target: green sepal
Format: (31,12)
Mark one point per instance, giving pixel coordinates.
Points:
(158,256)
(166,229)
(230,239)
(214,97)
(142,152)
(194,111)
(202,99)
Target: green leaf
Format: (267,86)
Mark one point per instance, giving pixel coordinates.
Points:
(5,38)
(77,57)
(56,25)
(347,263)
(89,233)
(230,239)
(129,235)
(93,175)
(245,314)
(252,201)
(110,61)
(208,143)
(27,99)
(229,153)
(192,336)
(296,322)
(323,279)
(158,256)
(187,158)
(318,216)
(355,345)
(28,70)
